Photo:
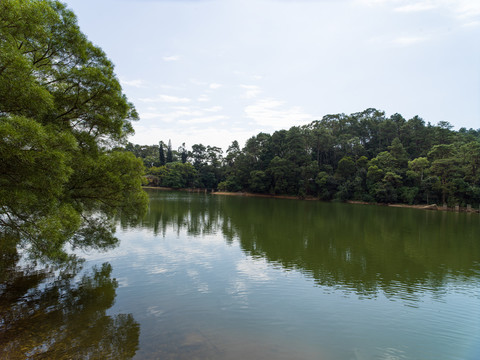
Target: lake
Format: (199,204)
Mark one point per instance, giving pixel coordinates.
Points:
(225,277)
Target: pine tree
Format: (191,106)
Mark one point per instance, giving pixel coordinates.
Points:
(161,154)
(169,152)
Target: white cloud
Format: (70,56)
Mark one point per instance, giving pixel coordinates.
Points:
(460,9)
(246,75)
(165,98)
(215,86)
(171,58)
(465,9)
(416,7)
(213,109)
(149,115)
(203,98)
(400,41)
(251,91)
(203,120)
(198,82)
(471,24)
(169,117)
(377,2)
(271,112)
(138,83)
(409,40)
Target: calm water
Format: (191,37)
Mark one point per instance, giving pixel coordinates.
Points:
(214,277)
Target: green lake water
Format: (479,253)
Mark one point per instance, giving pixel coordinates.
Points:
(221,277)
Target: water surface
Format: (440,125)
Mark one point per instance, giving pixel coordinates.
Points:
(218,277)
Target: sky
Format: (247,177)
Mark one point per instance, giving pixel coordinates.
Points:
(214,71)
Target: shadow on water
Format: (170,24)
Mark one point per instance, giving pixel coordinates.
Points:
(360,248)
(56,313)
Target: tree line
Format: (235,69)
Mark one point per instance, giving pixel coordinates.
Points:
(363,156)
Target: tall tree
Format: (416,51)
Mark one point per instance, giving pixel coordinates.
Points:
(62,115)
(161,154)
(169,152)
(182,150)
(444,165)
(199,155)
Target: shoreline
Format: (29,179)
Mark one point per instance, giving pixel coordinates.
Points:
(433,207)
(164,188)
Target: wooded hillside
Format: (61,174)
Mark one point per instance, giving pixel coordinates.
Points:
(364,156)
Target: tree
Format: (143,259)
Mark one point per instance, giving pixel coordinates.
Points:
(161,154)
(416,177)
(296,146)
(62,118)
(327,185)
(169,152)
(418,166)
(444,165)
(199,155)
(400,155)
(282,172)
(258,152)
(416,137)
(232,182)
(233,152)
(471,161)
(179,175)
(258,181)
(214,156)
(182,150)
(346,168)
(328,157)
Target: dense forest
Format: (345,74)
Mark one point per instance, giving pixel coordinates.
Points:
(364,156)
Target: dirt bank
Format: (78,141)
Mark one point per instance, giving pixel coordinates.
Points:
(421,207)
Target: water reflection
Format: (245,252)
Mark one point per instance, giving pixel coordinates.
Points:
(365,249)
(55,313)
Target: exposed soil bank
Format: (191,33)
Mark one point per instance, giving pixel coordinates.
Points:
(436,207)
(174,189)
(247,194)
(421,207)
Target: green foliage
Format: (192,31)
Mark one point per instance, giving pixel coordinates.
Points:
(258,181)
(62,115)
(363,156)
(230,184)
(176,175)
(399,154)
(282,172)
(183,153)
(179,175)
(327,186)
(346,168)
(161,155)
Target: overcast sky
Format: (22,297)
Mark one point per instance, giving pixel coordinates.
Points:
(214,71)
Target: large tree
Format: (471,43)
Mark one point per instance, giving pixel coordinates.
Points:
(62,115)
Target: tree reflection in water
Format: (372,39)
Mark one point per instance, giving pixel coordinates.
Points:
(365,249)
(55,314)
